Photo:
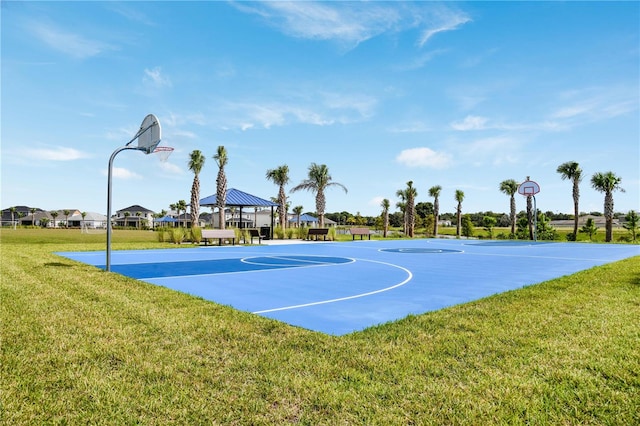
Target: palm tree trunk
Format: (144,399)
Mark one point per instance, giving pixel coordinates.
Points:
(221,194)
(195,202)
(576,210)
(320,206)
(385,225)
(513,214)
(608,214)
(436,213)
(282,208)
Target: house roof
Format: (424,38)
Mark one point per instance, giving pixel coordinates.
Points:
(26,210)
(237,198)
(89,217)
(134,209)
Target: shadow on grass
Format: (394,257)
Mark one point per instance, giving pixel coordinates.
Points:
(58,265)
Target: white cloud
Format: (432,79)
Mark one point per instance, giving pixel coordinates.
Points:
(155,78)
(497,150)
(334,108)
(171,168)
(122,173)
(594,104)
(59,153)
(376,201)
(444,20)
(351,24)
(424,157)
(340,21)
(421,60)
(470,122)
(66,42)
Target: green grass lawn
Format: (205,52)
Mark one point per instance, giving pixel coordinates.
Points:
(81,346)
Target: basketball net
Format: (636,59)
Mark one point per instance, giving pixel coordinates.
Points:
(163,153)
(84,229)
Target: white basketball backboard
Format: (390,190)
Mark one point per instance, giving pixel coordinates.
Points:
(528,188)
(149,134)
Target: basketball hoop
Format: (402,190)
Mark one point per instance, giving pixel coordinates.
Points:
(163,152)
(528,188)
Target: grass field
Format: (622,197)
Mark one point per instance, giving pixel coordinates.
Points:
(81,346)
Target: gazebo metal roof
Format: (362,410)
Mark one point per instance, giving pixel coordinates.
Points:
(304,218)
(237,198)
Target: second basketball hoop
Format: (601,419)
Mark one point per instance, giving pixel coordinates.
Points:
(528,188)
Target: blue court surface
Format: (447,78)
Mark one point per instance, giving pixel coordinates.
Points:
(339,288)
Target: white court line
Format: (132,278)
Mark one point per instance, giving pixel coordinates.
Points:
(295,261)
(275,268)
(356,296)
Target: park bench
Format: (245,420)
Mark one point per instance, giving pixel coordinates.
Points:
(317,232)
(219,234)
(360,231)
(255,233)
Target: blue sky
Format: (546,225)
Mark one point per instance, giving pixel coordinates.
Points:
(461,95)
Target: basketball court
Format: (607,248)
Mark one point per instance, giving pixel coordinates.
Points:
(343,287)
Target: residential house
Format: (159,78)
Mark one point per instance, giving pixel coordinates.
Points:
(134,217)
(90,220)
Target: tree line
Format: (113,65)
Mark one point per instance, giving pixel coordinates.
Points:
(411,212)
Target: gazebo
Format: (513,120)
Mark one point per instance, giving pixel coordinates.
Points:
(240,199)
(165,220)
(305,219)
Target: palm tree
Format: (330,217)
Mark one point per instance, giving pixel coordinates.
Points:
(126,216)
(385,216)
(608,183)
(631,224)
(181,206)
(572,171)
(33,210)
(83,214)
(138,214)
(411,193)
(196,162)
(280,177)
(317,181)
(221,183)
(434,191)
(510,187)
(13,219)
(172,207)
(402,205)
(297,210)
(54,214)
(459,197)
(66,218)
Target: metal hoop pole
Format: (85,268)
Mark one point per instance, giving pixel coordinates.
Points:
(109,174)
(535,220)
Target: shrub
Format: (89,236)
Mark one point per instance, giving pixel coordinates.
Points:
(332,233)
(279,232)
(303,233)
(290,232)
(196,235)
(161,231)
(177,235)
